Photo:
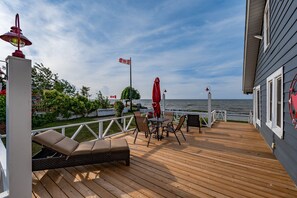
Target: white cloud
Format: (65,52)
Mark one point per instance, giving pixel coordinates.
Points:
(83,41)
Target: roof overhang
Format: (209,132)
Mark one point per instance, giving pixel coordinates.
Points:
(253,27)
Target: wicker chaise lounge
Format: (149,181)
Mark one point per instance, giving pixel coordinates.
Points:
(59,151)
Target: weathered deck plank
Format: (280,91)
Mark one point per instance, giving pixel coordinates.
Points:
(228,160)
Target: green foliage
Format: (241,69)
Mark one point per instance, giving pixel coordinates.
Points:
(44,79)
(126,94)
(84,91)
(2,108)
(119,107)
(103,102)
(42,119)
(64,86)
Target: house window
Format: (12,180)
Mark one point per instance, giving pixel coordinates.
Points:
(257,105)
(266,25)
(275,102)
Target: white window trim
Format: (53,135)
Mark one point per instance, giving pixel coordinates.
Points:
(257,121)
(272,124)
(266,25)
(268,121)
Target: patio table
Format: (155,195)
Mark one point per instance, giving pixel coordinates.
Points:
(158,122)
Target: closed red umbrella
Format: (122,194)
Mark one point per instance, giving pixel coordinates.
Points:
(156,97)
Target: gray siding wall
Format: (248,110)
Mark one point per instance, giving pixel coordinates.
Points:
(282,52)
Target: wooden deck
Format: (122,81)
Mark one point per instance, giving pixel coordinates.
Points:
(229,160)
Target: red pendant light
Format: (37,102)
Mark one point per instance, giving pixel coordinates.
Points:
(16,38)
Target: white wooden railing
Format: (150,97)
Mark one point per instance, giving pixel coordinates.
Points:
(215,115)
(101,133)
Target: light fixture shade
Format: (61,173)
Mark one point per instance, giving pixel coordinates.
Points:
(12,37)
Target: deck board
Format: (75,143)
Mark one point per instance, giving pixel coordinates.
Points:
(228,160)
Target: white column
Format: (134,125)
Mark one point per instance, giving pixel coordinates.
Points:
(209,109)
(18,127)
(163,102)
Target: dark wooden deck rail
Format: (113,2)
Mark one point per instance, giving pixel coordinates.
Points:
(228,160)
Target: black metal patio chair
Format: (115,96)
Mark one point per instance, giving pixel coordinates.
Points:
(171,129)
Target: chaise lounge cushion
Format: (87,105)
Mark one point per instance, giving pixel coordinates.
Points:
(48,138)
(56,141)
(66,146)
(84,148)
(101,146)
(119,145)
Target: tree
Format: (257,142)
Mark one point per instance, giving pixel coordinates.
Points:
(64,86)
(42,78)
(103,101)
(126,95)
(84,91)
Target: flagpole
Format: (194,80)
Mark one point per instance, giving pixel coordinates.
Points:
(130,84)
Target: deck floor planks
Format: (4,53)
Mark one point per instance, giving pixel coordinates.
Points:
(151,186)
(77,183)
(195,171)
(49,184)
(117,183)
(223,171)
(115,172)
(63,184)
(94,175)
(84,178)
(170,183)
(213,163)
(38,189)
(230,159)
(249,166)
(213,180)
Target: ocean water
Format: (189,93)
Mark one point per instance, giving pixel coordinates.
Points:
(236,109)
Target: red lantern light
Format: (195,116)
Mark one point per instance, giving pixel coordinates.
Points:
(16,38)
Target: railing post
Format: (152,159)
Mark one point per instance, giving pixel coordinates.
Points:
(100,130)
(250,119)
(63,131)
(124,125)
(225,116)
(209,110)
(18,127)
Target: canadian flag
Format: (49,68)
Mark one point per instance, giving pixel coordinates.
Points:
(115,96)
(125,61)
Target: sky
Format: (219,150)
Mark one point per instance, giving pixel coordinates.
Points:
(188,44)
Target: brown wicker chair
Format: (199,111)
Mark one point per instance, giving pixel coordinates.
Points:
(59,151)
(142,125)
(171,129)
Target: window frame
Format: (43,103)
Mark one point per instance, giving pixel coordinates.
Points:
(272,124)
(266,26)
(257,105)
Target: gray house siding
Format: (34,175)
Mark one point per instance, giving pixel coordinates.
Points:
(282,52)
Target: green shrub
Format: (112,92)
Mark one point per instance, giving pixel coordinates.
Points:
(42,119)
(119,107)
(2,108)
